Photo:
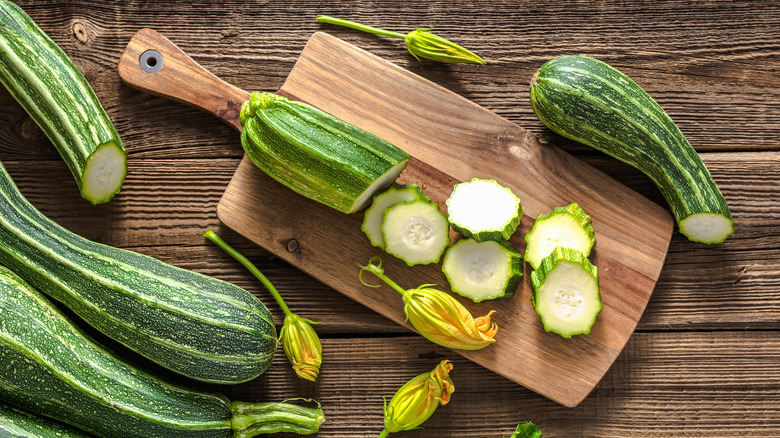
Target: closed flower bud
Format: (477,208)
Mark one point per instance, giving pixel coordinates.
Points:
(438,316)
(422,44)
(416,401)
(302,346)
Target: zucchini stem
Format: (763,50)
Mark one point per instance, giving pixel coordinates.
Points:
(374,266)
(251,419)
(384,433)
(212,236)
(358,26)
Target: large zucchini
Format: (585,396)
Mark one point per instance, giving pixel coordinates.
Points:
(48,366)
(15,423)
(591,102)
(41,77)
(196,325)
(316,154)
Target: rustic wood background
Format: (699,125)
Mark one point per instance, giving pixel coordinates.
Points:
(705,359)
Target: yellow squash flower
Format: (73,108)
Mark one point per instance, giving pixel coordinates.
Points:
(302,346)
(416,401)
(438,316)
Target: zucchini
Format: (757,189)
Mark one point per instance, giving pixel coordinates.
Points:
(484,210)
(50,367)
(41,77)
(15,423)
(591,102)
(195,325)
(375,213)
(483,270)
(316,154)
(567,226)
(416,232)
(566,292)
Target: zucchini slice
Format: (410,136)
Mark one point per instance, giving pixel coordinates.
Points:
(567,226)
(566,292)
(46,83)
(483,270)
(484,210)
(375,213)
(416,232)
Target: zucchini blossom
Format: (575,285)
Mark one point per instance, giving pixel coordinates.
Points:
(416,401)
(420,43)
(299,340)
(438,316)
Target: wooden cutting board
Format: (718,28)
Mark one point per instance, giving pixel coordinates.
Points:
(451,139)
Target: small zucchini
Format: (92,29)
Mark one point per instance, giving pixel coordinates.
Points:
(593,103)
(566,292)
(198,326)
(41,77)
(50,367)
(483,270)
(316,154)
(567,226)
(484,210)
(416,232)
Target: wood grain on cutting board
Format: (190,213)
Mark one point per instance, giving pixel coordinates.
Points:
(451,140)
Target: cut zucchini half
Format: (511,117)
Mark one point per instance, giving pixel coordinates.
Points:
(416,232)
(483,270)
(484,210)
(375,214)
(567,226)
(566,292)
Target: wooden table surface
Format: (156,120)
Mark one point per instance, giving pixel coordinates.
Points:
(705,358)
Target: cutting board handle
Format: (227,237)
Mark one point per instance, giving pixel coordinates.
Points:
(153,64)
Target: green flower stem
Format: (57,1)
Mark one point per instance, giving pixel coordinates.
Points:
(374,266)
(358,26)
(212,236)
(250,419)
(384,433)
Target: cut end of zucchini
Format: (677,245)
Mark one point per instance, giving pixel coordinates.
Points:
(416,232)
(566,293)
(104,173)
(483,271)
(567,227)
(707,227)
(484,210)
(382,182)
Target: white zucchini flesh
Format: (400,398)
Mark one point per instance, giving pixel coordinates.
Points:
(482,270)
(417,232)
(484,210)
(567,297)
(375,213)
(554,231)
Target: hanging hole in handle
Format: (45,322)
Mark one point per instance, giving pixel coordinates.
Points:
(151,61)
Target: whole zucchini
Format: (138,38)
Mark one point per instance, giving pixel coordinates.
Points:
(316,154)
(48,366)
(15,423)
(41,77)
(195,325)
(591,102)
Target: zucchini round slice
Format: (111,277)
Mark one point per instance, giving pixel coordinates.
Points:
(375,214)
(416,232)
(483,270)
(566,293)
(484,210)
(567,226)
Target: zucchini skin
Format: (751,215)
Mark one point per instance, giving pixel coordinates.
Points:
(49,366)
(315,154)
(15,423)
(591,102)
(195,325)
(46,83)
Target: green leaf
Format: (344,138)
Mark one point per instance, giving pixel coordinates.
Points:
(527,430)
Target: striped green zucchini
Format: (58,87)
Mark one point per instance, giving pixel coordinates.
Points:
(196,325)
(316,154)
(48,366)
(591,102)
(41,77)
(15,423)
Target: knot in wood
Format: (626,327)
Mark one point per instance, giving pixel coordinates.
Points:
(292,245)
(80,32)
